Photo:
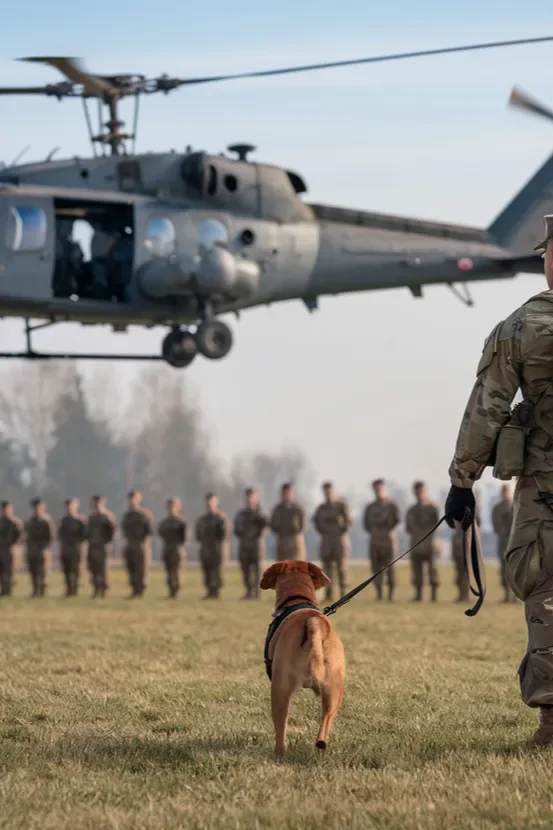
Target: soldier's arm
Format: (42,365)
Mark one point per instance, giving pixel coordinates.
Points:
(489,405)
(18,533)
(198,530)
(184,531)
(367,520)
(237,526)
(149,523)
(409,522)
(275,520)
(84,529)
(495,519)
(301,517)
(316,519)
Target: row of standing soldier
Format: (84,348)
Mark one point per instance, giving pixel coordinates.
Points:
(332,520)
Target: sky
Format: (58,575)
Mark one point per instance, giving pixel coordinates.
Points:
(372,384)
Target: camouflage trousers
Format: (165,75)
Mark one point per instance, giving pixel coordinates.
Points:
(97,562)
(71,566)
(250,558)
(529,573)
(211,560)
(172,559)
(290,547)
(334,556)
(137,560)
(38,563)
(421,557)
(381,553)
(6,571)
(461,576)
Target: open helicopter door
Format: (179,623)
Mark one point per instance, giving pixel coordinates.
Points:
(26,245)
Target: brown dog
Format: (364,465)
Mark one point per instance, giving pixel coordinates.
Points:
(302,650)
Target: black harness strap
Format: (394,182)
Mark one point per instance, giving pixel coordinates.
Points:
(474,562)
(282,613)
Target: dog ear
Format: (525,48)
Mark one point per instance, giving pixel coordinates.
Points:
(269,578)
(320,579)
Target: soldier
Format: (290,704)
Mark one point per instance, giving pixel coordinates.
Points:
(250,525)
(332,519)
(40,532)
(518,356)
(420,519)
(100,532)
(287,523)
(458,558)
(71,534)
(380,520)
(172,531)
(11,530)
(502,519)
(137,528)
(212,534)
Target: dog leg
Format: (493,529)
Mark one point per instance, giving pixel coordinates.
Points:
(331,701)
(281,696)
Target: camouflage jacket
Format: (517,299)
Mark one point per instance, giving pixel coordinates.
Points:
(516,355)
(502,517)
(332,518)
(101,528)
(288,519)
(11,531)
(250,525)
(381,519)
(172,530)
(212,528)
(72,531)
(40,532)
(137,526)
(420,519)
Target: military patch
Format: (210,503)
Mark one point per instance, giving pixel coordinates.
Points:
(512,327)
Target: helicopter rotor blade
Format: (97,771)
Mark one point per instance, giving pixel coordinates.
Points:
(23,90)
(357,61)
(73,69)
(521,100)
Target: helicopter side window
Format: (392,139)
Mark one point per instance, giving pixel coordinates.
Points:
(160,237)
(27,229)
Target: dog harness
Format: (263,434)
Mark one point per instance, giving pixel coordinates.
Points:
(279,616)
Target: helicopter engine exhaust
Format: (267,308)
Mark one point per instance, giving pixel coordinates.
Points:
(214,270)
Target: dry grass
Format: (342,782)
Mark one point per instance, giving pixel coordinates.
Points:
(152,714)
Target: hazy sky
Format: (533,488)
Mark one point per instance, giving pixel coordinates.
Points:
(371,384)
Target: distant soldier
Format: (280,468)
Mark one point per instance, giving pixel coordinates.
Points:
(212,535)
(420,519)
(137,528)
(332,520)
(287,523)
(11,530)
(381,519)
(502,519)
(172,531)
(100,532)
(250,525)
(71,535)
(40,532)
(458,558)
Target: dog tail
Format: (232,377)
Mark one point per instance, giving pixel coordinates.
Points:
(316,628)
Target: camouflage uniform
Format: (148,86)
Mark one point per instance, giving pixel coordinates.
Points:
(332,520)
(211,533)
(380,520)
(249,528)
(40,532)
(100,532)
(421,517)
(518,355)
(71,534)
(137,528)
(287,523)
(502,519)
(458,558)
(11,530)
(172,531)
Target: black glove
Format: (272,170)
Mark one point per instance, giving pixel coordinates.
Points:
(460,506)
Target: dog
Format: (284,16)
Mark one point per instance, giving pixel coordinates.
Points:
(302,650)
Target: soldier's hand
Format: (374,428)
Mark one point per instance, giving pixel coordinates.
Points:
(460,506)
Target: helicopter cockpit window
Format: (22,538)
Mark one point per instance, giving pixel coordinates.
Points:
(160,237)
(27,229)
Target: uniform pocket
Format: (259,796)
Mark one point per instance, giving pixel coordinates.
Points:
(523,566)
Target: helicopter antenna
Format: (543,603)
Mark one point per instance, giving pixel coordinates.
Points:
(20,156)
(51,154)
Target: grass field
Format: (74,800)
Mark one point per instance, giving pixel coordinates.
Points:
(155,714)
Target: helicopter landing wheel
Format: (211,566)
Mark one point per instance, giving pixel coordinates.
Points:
(179,348)
(214,339)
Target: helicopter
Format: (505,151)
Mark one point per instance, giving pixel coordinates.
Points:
(179,239)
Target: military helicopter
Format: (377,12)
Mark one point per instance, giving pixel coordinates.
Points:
(178,239)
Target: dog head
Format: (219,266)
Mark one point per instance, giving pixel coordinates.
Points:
(294,577)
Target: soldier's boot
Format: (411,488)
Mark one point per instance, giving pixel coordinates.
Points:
(418,595)
(543,735)
(434,593)
(391,589)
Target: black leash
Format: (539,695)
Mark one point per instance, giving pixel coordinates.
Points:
(474,565)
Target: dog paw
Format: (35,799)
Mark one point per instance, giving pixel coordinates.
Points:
(321,744)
